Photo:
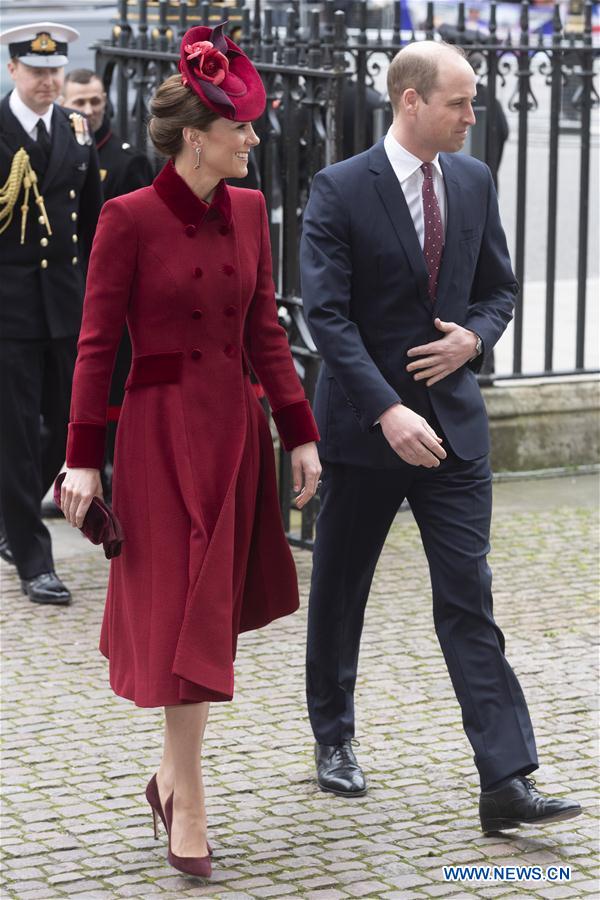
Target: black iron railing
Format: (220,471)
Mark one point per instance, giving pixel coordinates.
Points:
(324,72)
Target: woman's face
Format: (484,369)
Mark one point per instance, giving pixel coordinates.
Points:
(225,148)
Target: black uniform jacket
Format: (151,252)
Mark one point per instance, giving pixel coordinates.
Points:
(42,281)
(122,168)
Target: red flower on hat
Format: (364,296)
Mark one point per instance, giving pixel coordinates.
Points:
(211,65)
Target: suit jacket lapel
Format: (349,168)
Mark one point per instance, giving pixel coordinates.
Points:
(392,197)
(61,136)
(452,229)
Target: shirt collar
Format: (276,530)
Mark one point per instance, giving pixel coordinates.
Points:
(403,162)
(26,116)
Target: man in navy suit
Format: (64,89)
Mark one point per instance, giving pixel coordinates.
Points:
(406,282)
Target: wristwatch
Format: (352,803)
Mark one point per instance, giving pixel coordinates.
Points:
(478,346)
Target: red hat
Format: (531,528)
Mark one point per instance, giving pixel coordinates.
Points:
(221,74)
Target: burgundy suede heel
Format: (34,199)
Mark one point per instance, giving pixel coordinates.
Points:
(153,798)
(200,866)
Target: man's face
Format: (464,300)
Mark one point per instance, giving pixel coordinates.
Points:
(442,123)
(89,99)
(38,87)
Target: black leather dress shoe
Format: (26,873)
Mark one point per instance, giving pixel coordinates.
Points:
(46,588)
(520,803)
(5,551)
(337,770)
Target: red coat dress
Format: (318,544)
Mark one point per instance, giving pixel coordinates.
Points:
(205,556)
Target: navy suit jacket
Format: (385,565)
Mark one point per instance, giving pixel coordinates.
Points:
(366,302)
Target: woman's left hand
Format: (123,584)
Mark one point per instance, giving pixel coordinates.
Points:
(306,471)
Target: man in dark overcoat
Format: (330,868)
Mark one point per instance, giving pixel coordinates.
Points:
(48,211)
(122,170)
(406,278)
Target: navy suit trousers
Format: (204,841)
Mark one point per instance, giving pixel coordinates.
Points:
(452,507)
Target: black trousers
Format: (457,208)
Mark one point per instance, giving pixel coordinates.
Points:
(452,506)
(35,395)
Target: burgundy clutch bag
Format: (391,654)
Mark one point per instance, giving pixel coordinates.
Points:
(100,525)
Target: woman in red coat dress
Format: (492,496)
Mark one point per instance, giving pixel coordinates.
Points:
(186,263)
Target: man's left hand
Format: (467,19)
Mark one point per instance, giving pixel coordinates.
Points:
(441,358)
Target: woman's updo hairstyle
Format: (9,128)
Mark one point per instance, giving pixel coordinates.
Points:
(173,108)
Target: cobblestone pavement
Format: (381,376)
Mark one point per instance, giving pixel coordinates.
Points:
(76,758)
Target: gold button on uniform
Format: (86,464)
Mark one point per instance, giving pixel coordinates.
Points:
(74,238)
(41,220)
(44,242)
(74,217)
(72,194)
(74,260)
(44,264)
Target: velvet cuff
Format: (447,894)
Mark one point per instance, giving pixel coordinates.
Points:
(85,445)
(296,425)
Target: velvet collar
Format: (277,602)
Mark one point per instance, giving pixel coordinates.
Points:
(183,203)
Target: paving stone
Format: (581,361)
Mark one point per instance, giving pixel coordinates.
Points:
(76,759)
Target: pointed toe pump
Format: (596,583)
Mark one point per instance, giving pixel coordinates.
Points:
(200,866)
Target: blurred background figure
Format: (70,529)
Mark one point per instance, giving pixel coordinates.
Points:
(49,205)
(122,170)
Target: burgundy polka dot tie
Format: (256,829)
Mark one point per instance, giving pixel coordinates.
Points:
(433,244)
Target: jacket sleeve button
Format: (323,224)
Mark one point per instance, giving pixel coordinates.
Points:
(196,354)
(230,310)
(223,230)
(229,350)
(190,230)
(197,314)
(197,272)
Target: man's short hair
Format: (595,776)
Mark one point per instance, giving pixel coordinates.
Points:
(417,71)
(81,76)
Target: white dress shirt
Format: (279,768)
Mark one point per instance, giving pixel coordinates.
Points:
(408,172)
(27,117)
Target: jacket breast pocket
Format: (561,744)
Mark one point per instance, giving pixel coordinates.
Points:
(155,368)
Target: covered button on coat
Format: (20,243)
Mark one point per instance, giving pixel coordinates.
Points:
(205,556)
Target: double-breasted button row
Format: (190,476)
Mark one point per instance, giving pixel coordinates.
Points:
(230,350)
(190,230)
(228,311)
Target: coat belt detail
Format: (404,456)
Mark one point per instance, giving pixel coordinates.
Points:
(155,368)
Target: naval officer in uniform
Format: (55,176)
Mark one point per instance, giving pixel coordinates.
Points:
(50,199)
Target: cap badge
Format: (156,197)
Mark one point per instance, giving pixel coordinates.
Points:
(43,43)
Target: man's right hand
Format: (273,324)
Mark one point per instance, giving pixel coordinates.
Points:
(411,437)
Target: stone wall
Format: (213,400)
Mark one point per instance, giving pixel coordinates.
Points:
(544,425)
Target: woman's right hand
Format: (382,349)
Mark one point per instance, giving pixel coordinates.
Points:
(77,492)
